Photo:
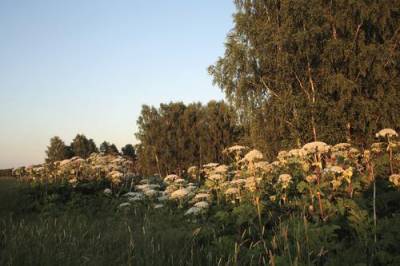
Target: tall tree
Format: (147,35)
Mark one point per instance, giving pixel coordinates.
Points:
(129,151)
(56,150)
(113,150)
(92,147)
(107,148)
(176,136)
(104,147)
(81,146)
(298,70)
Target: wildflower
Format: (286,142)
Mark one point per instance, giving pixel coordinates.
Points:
(232,191)
(191,187)
(297,153)
(282,155)
(210,165)
(221,169)
(378,147)
(193,171)
(143,187)
(180,193)
(348,174)
(311,178)
(163,198)
(316,147)
(253,156)
(336,184)
(202,205)
(305,166)
(115,176)
(341,147)
(180,181)
(263,166)
(251,184)
(193,211)
(235,149)
(170,189)
(272,198)
(151,193)
(73,181)
(335,169)
(107,191)
(395,180)
(387,132)
(216,177)
(64,163)
(202,197)
(170,178)
(285,180)
(238,182)
(137,197)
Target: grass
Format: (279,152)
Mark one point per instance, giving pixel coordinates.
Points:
(58,225)
(89,230)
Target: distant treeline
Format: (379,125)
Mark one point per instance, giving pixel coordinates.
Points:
(5,172)
(82,146)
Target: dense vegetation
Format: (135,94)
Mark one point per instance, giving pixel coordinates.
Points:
(318,205)
(176,136)
(302,70)
(250,181)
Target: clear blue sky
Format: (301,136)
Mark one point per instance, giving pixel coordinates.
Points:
(80,66)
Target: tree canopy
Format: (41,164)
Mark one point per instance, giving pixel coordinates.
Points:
(312,69)
(129,151)
(57,150)
(176,136)
(107,148)
(83,147)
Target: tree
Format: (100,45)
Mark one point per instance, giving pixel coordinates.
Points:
(107,148)
(113,150)
(129,151)
(81,146)
(312,69)
(92,147)
(104,147)
(176,136)
(69,153)
(56,150)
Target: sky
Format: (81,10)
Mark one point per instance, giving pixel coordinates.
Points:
(87,66)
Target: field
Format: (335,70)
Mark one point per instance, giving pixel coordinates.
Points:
(86,230)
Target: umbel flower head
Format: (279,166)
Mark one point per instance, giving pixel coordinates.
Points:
(285,180)
(180,193)
(253,156)
(387,132)
(395,180)
(316,147)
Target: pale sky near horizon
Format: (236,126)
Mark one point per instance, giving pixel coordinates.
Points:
(73,66)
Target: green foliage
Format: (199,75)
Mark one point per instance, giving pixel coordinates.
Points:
(291,66)
(107,148)
(83,147)
(176,136)
(57,150)
(129,151)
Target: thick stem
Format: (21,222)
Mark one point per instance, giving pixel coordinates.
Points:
(391,160)
(321,208)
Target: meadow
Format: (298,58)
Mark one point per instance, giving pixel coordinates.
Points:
(316,205)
